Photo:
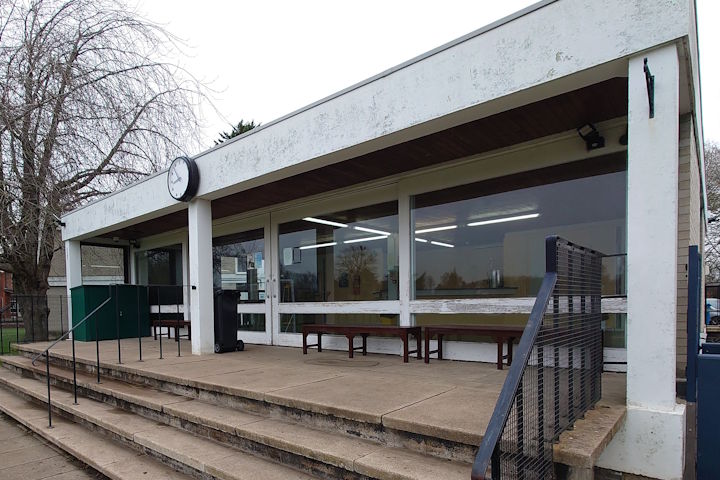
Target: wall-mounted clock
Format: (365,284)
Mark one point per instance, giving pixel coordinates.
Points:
(183,179)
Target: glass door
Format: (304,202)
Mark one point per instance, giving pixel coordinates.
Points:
(241,267)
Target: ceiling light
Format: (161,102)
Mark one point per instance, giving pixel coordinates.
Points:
(421,240)
(370,230)
(319,245)
(441,244)
(365,239)
(436,229)
(504,219)
(325,222)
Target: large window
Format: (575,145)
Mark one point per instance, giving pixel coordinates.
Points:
(239,270)
(350,255)
(487,239)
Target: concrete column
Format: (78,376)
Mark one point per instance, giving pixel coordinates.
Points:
(73,271)
(201,280)
(651,441)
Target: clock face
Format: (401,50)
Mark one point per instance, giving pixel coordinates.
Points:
(182,179)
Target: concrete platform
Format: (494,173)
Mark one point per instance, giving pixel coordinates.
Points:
(439,409)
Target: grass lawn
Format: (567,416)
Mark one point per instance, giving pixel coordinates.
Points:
(9,336)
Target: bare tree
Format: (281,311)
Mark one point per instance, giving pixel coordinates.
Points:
(88,102)
(712,185)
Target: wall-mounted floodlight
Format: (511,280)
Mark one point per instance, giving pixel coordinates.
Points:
(592,137)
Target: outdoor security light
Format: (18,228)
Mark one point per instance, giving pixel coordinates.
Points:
(592,137)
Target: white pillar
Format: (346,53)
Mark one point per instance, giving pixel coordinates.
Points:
(651,441)
(201,280)
(73,271)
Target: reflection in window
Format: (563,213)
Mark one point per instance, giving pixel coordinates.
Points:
(102,265)
(292,323)
(614,331)
(422,319)
(239,264)
(160,266)
(481,240)
(343,256)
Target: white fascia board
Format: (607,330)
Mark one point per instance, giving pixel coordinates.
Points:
(453,84)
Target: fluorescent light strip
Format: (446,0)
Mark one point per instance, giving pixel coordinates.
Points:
(324,222)
(441,244)
(502,220)
(436,229)
(319,245)
(366,239)
(370,230)
(421,240)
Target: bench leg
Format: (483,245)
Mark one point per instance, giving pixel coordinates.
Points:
(304,335)
(405,347)
(351,344)
(509,350)
(440,340)
(189,336)
(364,345)
(427,348)
(319,345)
(499,342)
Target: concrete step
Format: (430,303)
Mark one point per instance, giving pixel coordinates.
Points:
(339,406)
(330,455)
(108,457)
(199,457)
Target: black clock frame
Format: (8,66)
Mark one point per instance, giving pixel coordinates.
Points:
(193,179)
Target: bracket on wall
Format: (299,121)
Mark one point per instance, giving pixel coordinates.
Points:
(650,83)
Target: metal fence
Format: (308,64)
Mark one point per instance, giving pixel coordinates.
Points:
(556,376)
(51,319)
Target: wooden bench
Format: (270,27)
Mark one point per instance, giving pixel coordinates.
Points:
(351,331)
(174,324)
(501,333)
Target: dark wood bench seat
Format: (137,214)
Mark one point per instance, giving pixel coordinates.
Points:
(501,334)
(174,324)
(351,331)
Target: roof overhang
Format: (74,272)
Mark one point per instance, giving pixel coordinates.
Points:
(544,51)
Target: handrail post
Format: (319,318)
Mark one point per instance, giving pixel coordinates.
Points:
(160,321)
(137,296)
(61,318)
(74,368)
(2,342)
(177,316)
(47,375)
(117,322)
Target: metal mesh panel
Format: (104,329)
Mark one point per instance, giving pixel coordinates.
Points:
(559,377)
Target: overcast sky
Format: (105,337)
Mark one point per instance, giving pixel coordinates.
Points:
(265,59)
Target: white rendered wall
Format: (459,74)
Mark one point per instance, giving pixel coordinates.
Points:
(559,47)
(651,442)
(201,279)
(73,271)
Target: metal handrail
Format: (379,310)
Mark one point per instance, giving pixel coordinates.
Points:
(513,379)
(573,282)
(46,353)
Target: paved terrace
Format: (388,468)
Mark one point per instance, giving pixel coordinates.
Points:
(448,399)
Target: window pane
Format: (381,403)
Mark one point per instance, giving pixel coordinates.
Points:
(292,323)
(251,322)
(239,264)
(470,244)
(342,256)
(102,265)
(160,266)
(614,330)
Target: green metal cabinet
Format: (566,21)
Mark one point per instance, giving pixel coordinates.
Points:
(127,301)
